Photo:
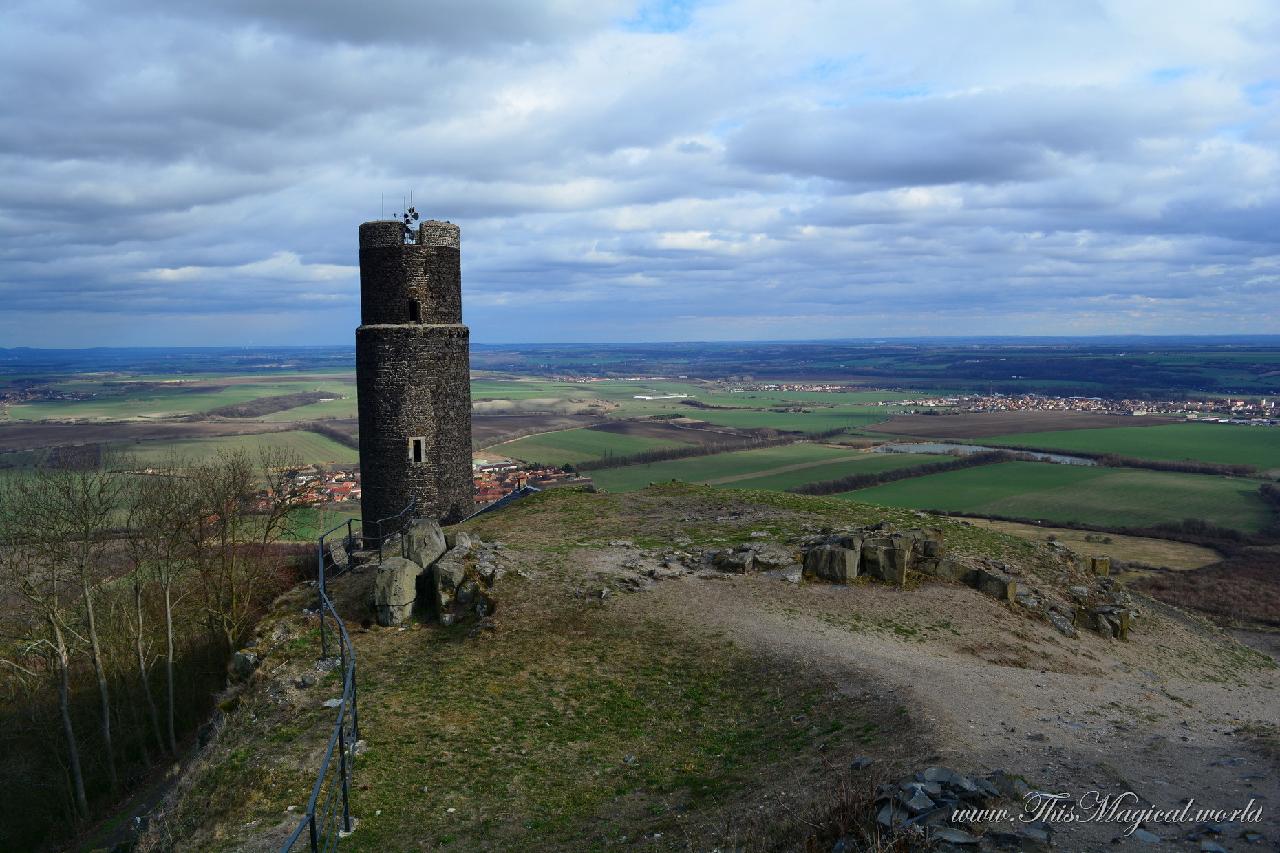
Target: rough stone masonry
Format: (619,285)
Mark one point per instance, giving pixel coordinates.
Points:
(413,374)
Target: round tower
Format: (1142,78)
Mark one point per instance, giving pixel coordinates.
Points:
(413,377)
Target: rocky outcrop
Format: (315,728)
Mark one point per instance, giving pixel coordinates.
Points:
(441,577)
(424,541)
(395,590)
(878,552)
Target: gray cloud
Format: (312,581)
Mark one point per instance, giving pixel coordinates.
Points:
(625,172)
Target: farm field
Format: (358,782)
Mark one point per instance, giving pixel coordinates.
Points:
(1135,549)
(1228,444)
(121,401)
(1108,497)
(767,468)
(984,424)
(310,447)
(577,445)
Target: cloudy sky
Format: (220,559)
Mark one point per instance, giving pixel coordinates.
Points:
(639,172)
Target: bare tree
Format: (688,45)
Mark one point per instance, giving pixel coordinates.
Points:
(239,520)
(70,511)
(41,582)
(164,524)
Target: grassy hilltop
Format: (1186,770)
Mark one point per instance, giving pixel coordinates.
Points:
(705,711)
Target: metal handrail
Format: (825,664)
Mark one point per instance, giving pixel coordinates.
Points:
(314,822)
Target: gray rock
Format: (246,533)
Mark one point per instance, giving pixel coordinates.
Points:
(993,583)
(395,590)
(243,663)
(861,762)
(954,836)
(424,541)
(769,555)
(736,562)
(331,703)
(917,801)
(944,775)
(1207,846)
(1146,837)
(459,538)
(891,813)
(1062,625)
(831,563)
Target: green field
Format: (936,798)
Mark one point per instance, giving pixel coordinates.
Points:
(1229,444)
(310,447)
(577,445)
(755,469)
(1108,497)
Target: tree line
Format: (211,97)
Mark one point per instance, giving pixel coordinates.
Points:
(863,481)
(123,593)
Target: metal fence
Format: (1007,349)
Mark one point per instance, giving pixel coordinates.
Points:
(328,815)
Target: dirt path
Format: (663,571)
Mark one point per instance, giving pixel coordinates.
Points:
(997,691)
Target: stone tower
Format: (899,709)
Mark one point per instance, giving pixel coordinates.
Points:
(412,374)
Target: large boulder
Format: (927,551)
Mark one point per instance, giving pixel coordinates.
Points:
(993,583)
(887,558)
(424,541)
(395,590)
(770,556)
(832,563)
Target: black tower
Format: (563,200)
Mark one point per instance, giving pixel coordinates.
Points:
(413,377)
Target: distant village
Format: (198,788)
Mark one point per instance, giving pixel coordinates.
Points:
(1255,412)
(495,478)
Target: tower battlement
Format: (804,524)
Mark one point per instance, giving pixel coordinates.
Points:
(413,373)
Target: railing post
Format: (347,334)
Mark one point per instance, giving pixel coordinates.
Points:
(324,640)
(355,708)
(342,768)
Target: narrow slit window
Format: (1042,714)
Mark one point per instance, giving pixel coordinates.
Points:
(417,450)
(415,311)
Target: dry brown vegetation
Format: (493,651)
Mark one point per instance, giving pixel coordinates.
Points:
(1131,549)
(1242,589)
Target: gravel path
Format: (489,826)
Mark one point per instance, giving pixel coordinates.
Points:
(1160,716)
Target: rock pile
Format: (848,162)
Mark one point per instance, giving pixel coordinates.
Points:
(943,807)
(880,552)
(885,554)
(443,577)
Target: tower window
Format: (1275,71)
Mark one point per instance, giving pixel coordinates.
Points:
(415,311)
(417,450)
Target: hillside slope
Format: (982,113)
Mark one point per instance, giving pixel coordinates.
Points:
(616,702)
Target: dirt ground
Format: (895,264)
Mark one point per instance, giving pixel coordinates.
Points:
(36,435)
(1168,716)
(985,424)
(487,430)
(688,434)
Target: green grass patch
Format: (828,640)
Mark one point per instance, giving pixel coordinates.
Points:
(1109,497)
(820,462)
(1228,444)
